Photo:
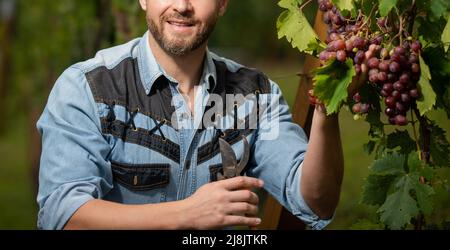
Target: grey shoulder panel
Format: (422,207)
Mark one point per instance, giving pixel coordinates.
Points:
(244,81)
(122,85)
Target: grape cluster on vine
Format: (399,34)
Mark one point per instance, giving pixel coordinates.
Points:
(394,70)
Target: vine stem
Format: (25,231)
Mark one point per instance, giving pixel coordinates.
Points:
(400,28)
(369,17)
(304,5)
(412,16)
(425,157)
(416,139)
(424,151)
(426,133)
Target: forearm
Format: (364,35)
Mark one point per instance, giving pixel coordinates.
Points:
(323,165)
(100,214)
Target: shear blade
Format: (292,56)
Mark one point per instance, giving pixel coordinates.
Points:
(228,158)
(245,157)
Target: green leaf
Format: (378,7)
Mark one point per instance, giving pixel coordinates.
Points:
(399,207)
(416,166)
(391,164)
(446,100)
(386,6)
(438,8)
(366,6)
(428,98)
(429,30)
(439,147)
(293,25)
(445,38)
(414,163)
(438,62)
(331,83)
(290,4)
(380,150)
(401,139)
(375,189)
(344,4)
(427,172)
(423,193)
(369,147)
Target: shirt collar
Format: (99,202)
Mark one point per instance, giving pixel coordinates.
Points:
(151,71)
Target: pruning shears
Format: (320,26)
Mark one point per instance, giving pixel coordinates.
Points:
(231,168)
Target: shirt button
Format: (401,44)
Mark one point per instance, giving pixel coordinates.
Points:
(184,116)
(188,164)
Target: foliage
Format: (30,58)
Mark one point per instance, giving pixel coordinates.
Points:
(403,178)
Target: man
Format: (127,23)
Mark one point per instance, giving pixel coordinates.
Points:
(115,156)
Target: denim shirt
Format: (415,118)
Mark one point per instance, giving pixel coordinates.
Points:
(117,128)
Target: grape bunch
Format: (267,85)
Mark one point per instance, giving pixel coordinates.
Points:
(394,71)
(397,74)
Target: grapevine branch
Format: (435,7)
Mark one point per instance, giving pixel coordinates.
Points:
(416,139)
(305,4)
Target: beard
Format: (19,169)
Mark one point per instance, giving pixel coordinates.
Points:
(180,46)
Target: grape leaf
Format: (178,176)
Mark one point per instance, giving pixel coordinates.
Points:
(430,30)
(380,150)
(414,163)
(446,101)
(438,62)
(366,5)
(376,126)
(423,194)
(290,4)
(391,164)
(399,207)
(401,139)
(331,82)
(293,25)
(418,167)
(445,38)
(375,189)
(369,147)
(428,98)
(386,6)
(438,8)
(439,147)
(344,4)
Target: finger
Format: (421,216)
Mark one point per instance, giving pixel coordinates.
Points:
(242,208)
(235,220)
(244,196)
(242,182)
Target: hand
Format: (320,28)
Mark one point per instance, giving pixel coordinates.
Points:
(360,79)
(224,203)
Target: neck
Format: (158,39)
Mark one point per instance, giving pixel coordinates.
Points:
(186,69)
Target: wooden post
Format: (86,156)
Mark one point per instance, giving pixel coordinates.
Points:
(275,216)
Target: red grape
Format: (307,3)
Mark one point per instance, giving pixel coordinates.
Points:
(341,55)
(394,67)
(401,120)
(416,46)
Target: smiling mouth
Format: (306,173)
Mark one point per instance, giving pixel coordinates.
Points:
(180,23)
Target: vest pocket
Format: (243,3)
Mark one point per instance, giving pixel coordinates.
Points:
(214,170)
(141,177)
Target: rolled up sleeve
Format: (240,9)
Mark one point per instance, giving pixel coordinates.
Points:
(73,167)
(277,158)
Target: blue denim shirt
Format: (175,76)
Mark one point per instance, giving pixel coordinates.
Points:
(117,128)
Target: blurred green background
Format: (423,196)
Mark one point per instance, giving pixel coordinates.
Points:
(40,38)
